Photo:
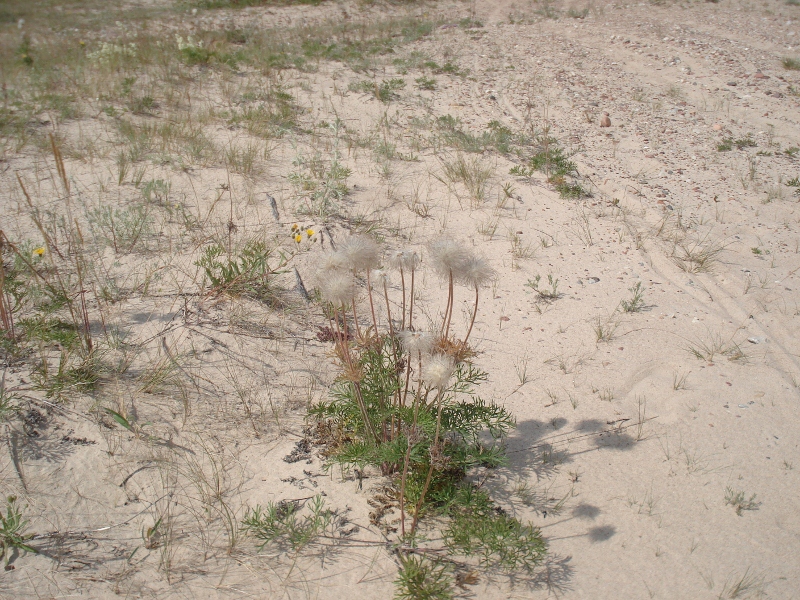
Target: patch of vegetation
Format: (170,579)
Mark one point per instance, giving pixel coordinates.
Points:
(247,271)
(479,528)
(496,136)
(551,159)
(425,83)
(283,524)
(545,294)
(739,500)
(636,303)
(792,64)
(213,4)
(12,531)
(727,144)
(422,578)
(406,403)
(385,91)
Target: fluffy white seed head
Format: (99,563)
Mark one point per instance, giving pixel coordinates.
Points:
(448,257)
(416,341)
(360,252)
(438,370)
(405,260)
(338,288)
(476,272)
(332,261)
(379,278)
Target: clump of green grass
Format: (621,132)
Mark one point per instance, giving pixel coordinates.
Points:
(470,172)
(699,256)
(716,346)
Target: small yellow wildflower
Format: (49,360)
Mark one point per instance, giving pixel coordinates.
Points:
(309,232)
(298,238)
(38,251)
(295,227)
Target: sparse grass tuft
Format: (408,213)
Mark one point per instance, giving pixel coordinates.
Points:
(471,173)
(716,346)
(697,257)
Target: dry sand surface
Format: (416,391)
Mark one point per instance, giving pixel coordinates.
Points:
(658,449)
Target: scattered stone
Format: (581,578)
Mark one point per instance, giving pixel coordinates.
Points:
(605,120)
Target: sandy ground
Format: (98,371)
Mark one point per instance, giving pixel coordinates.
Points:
(625,448)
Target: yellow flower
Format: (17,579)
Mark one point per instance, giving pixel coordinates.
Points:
(38,251)
(295,227)
(298,238)
(309,232)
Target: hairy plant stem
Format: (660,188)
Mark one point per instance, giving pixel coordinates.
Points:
(6,317)
(471,322)
(406,460)
(355,320)
(418,507)
(448,311)
(371,303)
(411,303)
(403,285)
(388,310)
(345,351)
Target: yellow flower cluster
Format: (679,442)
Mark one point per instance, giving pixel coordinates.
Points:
(298,230)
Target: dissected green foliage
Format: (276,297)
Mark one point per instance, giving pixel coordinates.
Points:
(420,578)
(497,136)
(636,303)
(282,524)
(385,91)
(247,271)
(551,159)
(479,528)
